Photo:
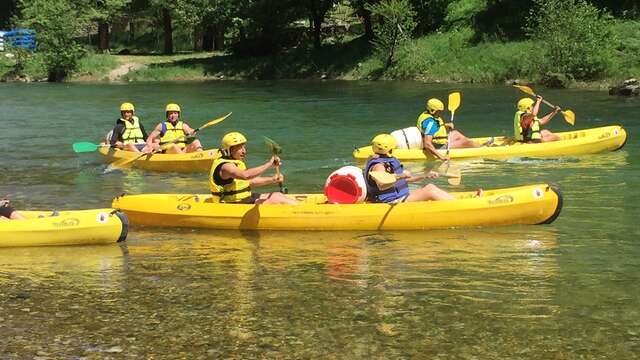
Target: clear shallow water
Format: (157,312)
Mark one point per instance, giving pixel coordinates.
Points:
(567,290)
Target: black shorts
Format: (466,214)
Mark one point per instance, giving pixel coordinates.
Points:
(6,211)
(250,200)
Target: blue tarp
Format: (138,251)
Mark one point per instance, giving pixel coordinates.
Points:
(23,38)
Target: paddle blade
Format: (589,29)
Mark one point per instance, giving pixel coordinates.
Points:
(454,101)
(214,121)
(275,148)
(80,147)
(525,89)
(569,116)
(383,179)
(125,163)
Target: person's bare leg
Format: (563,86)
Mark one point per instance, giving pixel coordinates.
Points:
(429,192)
(194,146)
(459,141)
(276,198)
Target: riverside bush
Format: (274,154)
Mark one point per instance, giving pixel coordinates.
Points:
(577,38)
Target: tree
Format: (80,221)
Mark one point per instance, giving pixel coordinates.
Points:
(56,34)
(8,8)
(103,12)
(396,25)
(362,9)
(317,11)
(576,37)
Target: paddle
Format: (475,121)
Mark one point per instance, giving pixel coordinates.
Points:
(124,163)
(385,178)
(453,104)
(84,146)
(276,150)
(569,116)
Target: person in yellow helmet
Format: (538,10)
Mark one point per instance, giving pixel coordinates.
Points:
(527,126)
(7,212)
(436,133)
(383,160)
(129,134)
(230,181)
(172,133)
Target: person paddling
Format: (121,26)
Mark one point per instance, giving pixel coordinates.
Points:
(7,212)
(173,133)
(435,133)
(528,127)
(231,182)
(397,192)
(129,134)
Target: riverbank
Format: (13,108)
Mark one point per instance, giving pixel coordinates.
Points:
(437,58)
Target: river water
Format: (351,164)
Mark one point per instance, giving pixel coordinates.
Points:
(567,290)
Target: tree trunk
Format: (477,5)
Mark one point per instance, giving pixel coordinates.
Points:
(368,26)
(103,36)
(197,38)
(316,22)
(132,32)
(56,75)
(208,38)
(168,31)
(218,40)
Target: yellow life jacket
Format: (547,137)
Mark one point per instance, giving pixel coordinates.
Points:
(230,190)
(171,132)
(132,132)
(518,132)
(440,137)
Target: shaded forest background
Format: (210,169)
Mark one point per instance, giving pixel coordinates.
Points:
(571,39)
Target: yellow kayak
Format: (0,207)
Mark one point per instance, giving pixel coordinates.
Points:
(589,141)
(199,161)
(78,227)
(532,204)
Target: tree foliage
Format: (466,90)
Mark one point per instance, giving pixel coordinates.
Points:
(395,26)
(58,24)
(576,37)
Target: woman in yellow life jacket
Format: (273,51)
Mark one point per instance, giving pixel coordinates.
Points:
(527,126)
(230,181)
(129,134)
(436,132)
(172,133)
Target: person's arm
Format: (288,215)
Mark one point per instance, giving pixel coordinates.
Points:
(536,106)
(231,171)
(144,133)
(545,119)
(116,137)
(155,133)
(268,180)
(428,145)
(187,129)
(429,128)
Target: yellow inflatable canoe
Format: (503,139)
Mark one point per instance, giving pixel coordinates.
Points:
(589,141)
(199,161)
(532,204)
(81,227)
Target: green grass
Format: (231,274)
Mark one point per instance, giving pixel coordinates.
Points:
(96,64)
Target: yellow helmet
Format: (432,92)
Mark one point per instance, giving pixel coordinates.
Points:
(172,107)
(383,144)
(127,107)
(525,104)
(434,105)
(232,139)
